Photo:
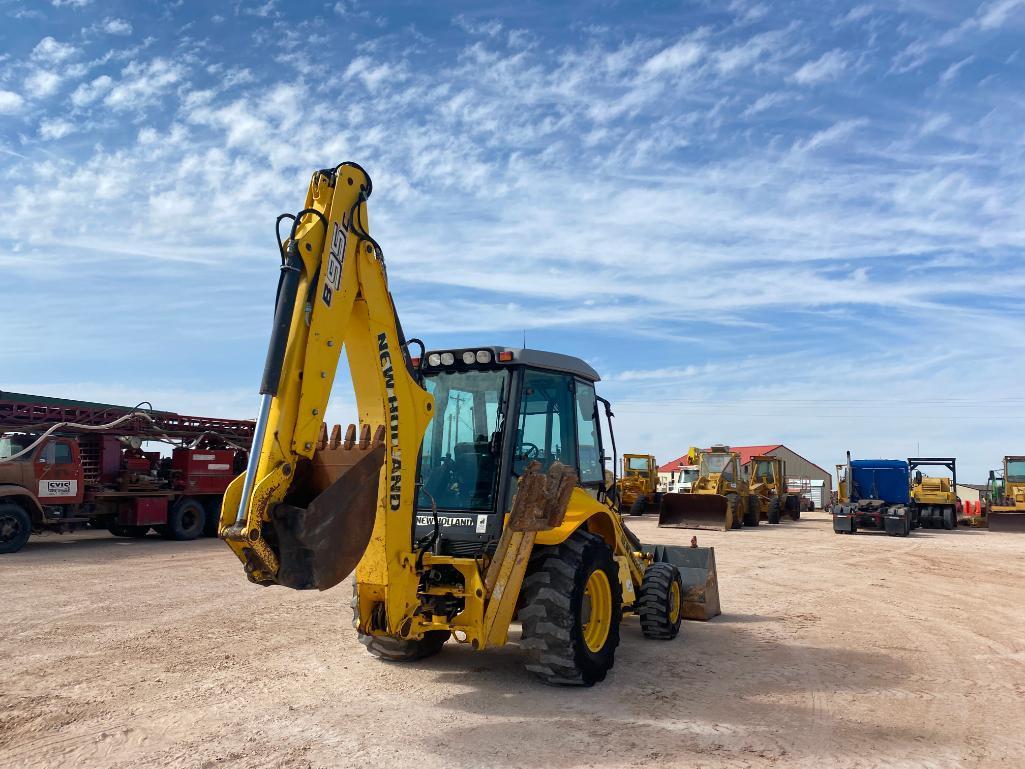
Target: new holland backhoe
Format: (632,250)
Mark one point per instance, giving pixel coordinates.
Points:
(768,495)
(718,499)
(473,492)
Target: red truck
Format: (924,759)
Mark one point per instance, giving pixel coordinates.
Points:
(80,476)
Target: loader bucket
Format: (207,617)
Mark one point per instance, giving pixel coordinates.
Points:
(694,511)
(320,543)
(700,580)
(1009,522)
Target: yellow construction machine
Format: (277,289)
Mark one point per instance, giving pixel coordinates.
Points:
(717,500)
(637,490)
(768,495)
(473,492)
(1006,511)
(933,498)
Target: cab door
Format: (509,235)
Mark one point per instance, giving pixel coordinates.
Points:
(59,473)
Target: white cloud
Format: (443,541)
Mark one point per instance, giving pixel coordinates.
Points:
(835,133)
(10,102)
(766,102)
(951,72)
(42,83)
(829,66)
(117,26)
(857,13)
(676,58)
(70,3)
(87,93)
(141,84)
(50,51)
(55,128)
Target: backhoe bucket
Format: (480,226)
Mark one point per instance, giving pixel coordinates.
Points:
(694,511)
(319,544)
(1009,522)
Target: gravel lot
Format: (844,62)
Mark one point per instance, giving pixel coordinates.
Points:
(832,651)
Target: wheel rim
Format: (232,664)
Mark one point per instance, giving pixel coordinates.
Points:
(674,602)
(189,519)
(596,612)
(10,528)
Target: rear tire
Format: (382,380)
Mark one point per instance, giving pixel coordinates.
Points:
(572,603)
(660,602)
(637,508)
(212,521)
(397,649)
(752,513)
(135,532)
(15,527)
(773,513)
(185,520)
(949,518)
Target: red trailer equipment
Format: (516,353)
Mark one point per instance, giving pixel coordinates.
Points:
(66,464)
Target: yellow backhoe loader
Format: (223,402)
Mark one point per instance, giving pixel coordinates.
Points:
(637,490)
(768,496)
(1007,510)
(718,499)
(473,492)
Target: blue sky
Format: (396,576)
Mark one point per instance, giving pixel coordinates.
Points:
(760,221)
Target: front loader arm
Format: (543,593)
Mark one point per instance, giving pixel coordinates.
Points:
(308,506)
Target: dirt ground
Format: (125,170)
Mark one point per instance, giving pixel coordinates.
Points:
(864,651)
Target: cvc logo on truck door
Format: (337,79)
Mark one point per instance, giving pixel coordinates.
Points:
(58,488)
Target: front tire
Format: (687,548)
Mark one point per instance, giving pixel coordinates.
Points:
(572,602)
(397,649)
(15,527)
(637,508)
(135,532)
(660,602)
(773,513)
(185,520)
(752,513)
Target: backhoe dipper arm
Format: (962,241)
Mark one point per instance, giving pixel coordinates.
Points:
(309,506)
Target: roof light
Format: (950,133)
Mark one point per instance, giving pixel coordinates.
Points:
(484,356)
(415,362)
(505,356)
(468,357)
(434,359)
(447,359)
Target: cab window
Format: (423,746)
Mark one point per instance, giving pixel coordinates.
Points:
(62,454)
(545,431)
(588,441)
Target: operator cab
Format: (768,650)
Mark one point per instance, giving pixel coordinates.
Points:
(496,410)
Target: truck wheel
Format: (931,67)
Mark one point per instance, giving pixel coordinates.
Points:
(949,519)
(397,649)
(773,512)
(135,532)
(660,602)
(572,602)
(212,521)
(752,513)
(184,520)
(15,527)
(732,506)
(637,508)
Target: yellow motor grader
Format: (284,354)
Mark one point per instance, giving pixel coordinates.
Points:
(473,492)
(768,495)
(637,490)
(717,500)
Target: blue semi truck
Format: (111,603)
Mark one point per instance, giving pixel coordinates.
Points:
(874,494)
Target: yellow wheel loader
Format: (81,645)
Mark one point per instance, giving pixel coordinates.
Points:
(637,491)
(473,492)
(768,496)
(1007,510)
(718,499)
